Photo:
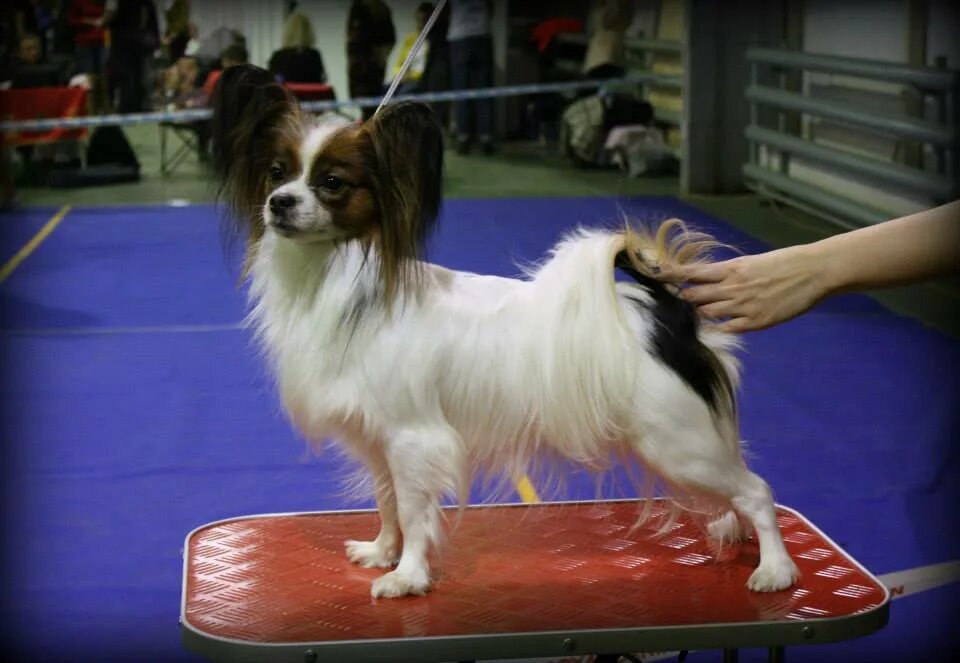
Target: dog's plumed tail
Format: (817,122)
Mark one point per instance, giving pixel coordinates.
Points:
(592,341)
(695,349)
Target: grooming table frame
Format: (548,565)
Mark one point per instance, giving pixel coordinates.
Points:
(515,581)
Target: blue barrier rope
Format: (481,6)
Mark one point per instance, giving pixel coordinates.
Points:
(197,114)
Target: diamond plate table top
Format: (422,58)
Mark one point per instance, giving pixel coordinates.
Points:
(504,570)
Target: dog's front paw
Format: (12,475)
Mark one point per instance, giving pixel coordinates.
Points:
(773,577)
(371,554)
(401,583)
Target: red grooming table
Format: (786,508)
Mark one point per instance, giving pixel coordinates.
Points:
(514,581)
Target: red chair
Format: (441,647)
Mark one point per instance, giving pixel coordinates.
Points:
(43,103)
(312,91)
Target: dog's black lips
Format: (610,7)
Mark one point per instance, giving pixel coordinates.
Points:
(285,228)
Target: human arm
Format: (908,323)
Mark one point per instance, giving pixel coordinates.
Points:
(757,291)
(917,247)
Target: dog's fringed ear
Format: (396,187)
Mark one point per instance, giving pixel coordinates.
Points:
(407,143)
(250,110)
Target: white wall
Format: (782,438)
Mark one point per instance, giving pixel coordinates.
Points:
(260,21)
(874,29)
(878,30)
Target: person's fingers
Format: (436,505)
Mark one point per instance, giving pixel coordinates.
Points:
(704,294)
(717,310)
(703,273)
(737,325)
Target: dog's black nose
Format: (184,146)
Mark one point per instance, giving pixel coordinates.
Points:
(281,202)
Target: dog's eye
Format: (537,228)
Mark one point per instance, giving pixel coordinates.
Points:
(276,172)
(331,183)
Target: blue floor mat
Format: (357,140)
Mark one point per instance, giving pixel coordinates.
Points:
(117,443)
(122,267)
(16,228)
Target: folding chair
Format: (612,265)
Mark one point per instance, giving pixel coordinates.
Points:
(192,136)
(190,141)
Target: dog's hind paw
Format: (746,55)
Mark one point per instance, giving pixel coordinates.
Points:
(370,554)
(727,528)
(773,577)
(401,583)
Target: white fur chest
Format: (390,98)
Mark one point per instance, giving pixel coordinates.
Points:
(304,298)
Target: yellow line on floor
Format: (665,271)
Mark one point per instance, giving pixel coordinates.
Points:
(30,246)
(526,490)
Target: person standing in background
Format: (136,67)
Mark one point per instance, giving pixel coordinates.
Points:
(411,79)
(87,19)
(370,38)
(134,35)
(298,61)
(471,66)
(607,25)
(436,75)
(177,33)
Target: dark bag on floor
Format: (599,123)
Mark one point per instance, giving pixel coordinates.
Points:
(625,109)
(587,122)
(110,160)
(108,173)
(109,145)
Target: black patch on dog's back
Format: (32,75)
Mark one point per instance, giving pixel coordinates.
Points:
(675,339)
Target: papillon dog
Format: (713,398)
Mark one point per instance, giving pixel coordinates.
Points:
(430,376)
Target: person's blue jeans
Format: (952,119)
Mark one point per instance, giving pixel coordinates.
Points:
(471,64)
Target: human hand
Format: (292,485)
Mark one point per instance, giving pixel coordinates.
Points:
(754,291)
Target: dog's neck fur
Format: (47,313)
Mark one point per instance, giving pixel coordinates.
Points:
(333,284)
(308,303)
